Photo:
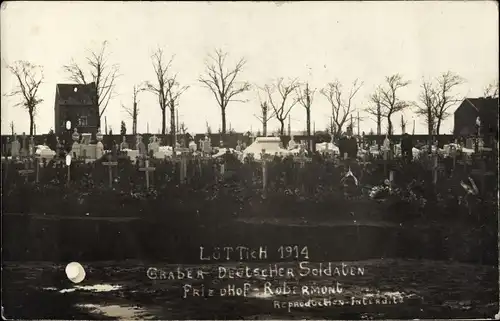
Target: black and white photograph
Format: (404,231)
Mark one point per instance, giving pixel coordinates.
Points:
(333,160)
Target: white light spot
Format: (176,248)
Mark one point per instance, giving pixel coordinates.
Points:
(68,160)
(75,89)
(68,125)
(75,271)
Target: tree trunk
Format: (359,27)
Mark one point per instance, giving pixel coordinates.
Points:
(308,120)
(223,115)
(389,125)
(438,126)
(264,128)
(430,126)
(32,121)
(282,127)
(172,124)
(134,119)
(163,121)
(98,122)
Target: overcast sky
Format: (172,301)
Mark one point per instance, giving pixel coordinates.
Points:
(314,41)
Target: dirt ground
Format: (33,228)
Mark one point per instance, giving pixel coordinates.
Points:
(122,290)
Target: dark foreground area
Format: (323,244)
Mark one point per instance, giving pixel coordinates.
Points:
(122,290)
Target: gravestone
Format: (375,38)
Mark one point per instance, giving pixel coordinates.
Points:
(75,148)
(31,147)
(192,146)
(15,148)
(141,148)
(153,145)
(291,144)
(207,146)
(123,144)
(99,148)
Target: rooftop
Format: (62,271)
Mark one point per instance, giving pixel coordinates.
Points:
(76,92)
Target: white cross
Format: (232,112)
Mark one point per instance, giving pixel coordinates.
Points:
(147,169)
(110,165)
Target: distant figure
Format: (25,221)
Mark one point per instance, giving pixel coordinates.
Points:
(407,148)
(348,145)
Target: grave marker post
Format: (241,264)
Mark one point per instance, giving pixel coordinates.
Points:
(435,166)
(385,162)
(302,160)
(26,171)
(110,164)
(147,169)
(264,159)
(183,163)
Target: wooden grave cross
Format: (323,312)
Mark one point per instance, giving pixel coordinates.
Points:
(110,165)
(453,153)
(183,163)
(37,176)
(265,159)
(147,169)
(27,170)
(386,152)
(435,166)
(364,162)
(302,160)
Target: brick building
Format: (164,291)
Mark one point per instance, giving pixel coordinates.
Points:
(486,108)
(75,103)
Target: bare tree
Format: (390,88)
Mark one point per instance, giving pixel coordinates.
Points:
(12,129)
(222,81)
(342,108)
(305,98)
(29,77)
(133,111)
(375,110)
(491,90)
(183,129)
(167,89)
(428,98)
(284,103)
(386,97)
(265,116)
(102,74)
(403,124)
(175,90)
(160,88)
(445,98)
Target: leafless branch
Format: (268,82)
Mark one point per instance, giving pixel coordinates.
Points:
(29,78)
(100,72)
(222,81)
(491,90)
(280,102)
(342,107)
(386,97)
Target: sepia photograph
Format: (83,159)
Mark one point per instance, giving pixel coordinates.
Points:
(332,160)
